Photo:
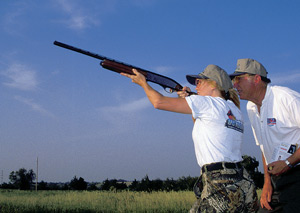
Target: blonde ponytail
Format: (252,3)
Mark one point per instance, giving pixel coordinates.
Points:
(233,96)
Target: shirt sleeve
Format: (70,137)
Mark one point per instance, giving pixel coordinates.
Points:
(289,101)
(198,104)
(294,111)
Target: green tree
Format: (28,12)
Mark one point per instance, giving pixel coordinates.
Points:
(157,185)
(22,179)
(113,185)
(106,185)
(78,184)
(43,185)
(170,185)
(186,183)
(145,185)
(134,185)
(92,187)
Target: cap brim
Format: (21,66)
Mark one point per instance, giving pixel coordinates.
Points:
(231,76)
(192,78)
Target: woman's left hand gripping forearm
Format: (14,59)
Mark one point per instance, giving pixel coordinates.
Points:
(137,78)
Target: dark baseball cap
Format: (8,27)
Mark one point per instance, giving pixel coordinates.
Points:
(214,73)
(250,66)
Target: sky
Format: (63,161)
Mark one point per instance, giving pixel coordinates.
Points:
(78,119)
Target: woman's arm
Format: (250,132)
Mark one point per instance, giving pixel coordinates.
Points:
(159,101)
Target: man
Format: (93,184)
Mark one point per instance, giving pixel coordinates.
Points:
(274,113)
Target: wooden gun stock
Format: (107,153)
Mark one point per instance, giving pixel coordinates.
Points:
(119,67)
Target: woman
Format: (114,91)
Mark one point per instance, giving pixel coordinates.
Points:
(224,185)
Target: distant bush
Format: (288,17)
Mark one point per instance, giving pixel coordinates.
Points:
(24,180)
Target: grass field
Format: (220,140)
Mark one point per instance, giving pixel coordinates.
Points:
(95,201)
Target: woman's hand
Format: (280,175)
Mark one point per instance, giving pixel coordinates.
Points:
(137,78)
(183,93)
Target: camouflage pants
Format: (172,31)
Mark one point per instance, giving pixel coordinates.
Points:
(225,190)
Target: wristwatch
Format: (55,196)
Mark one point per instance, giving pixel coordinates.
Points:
(288,163)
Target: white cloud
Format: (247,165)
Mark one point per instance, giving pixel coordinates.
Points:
(13,21)
(288,77)
(133,106)
(78,19)
(164,69)
(34,106)
(127,113)
(20,77)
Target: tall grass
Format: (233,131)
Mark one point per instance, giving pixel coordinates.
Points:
(95,201)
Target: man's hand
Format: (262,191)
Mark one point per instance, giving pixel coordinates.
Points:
(278,167)
(183,93)
(266,195)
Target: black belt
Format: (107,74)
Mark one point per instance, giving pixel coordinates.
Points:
(221,165)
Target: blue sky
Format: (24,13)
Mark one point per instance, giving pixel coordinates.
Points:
(80,119)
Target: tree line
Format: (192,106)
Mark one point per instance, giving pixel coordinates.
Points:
(24,180)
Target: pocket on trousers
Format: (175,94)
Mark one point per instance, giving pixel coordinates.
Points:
(198,187)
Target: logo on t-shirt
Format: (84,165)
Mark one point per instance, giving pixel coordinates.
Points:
(233,123)
(271,121)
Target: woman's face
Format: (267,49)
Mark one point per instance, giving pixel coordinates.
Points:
(204,87)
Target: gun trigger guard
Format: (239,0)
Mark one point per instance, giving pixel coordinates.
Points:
(168,90)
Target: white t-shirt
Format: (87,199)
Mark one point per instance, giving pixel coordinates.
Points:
(218,129)
(278,121)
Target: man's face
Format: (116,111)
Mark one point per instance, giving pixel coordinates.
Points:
(244,84)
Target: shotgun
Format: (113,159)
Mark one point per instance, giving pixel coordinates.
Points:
(167,83)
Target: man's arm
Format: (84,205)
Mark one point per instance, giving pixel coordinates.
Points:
(295,158)
(267,190)
(279,167)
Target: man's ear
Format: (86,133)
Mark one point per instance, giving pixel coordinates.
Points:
(257,79)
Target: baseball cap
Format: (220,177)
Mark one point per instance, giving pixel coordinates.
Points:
(214,73)
(250,66)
